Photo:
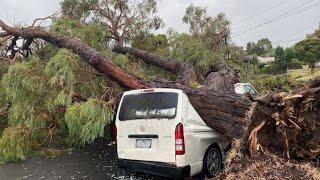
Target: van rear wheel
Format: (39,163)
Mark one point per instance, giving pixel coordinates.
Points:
(212,163)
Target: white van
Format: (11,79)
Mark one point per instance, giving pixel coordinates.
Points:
(159,132)
(245,88)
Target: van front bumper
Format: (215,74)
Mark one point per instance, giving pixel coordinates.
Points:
(155,168)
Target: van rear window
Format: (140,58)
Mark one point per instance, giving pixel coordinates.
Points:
(148,106)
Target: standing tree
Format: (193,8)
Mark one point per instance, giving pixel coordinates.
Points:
(308,50)
(123,19)
(281,63)
(250,47)
(289,56)
(153,43)
(217,33)
(214,31)
(262,47)
(197,19)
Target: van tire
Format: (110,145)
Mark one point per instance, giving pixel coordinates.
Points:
(212,162)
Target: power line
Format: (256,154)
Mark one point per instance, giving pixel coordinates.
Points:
(270,20)
(284,14)
(284,40)
(263,12)
(279,17)
(299,39)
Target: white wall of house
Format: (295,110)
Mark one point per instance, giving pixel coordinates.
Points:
(265,60)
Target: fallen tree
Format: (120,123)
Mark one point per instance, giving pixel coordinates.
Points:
(222,111)
(87,53)
(281,118)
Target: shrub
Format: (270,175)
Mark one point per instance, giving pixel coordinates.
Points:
(15,144)
(86,121)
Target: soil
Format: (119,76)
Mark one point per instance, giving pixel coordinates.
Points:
(95,161)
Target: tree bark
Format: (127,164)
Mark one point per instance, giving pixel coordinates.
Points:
(227,113)
(221,78)
(184,70)
(4,34)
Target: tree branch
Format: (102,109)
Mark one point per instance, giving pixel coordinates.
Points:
(91,56)
(5,39)
(185,71)
(43,19)
(4,34)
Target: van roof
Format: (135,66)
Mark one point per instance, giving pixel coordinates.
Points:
(239,84)
(138,91)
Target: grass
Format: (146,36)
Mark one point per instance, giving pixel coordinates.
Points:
(284,82)
(304,74)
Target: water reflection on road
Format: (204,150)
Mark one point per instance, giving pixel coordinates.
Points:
(96,161)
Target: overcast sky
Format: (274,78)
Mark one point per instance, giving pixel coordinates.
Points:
(284,22)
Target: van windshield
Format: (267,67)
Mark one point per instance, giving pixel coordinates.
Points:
(148,106)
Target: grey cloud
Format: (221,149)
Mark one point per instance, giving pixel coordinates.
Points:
(172,11)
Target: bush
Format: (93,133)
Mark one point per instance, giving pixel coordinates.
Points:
(15,144)
(43,110)
(86,121)
(270,83)
(296,64)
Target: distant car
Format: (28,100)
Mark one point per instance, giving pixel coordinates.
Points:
(245,88)
(159,132)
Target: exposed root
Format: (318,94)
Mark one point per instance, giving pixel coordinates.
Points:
(291,124)
(254,145)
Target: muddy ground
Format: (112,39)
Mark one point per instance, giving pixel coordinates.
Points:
(96,161)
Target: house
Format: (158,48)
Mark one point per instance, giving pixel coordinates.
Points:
(265,60)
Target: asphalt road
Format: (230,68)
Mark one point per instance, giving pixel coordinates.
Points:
(96,161)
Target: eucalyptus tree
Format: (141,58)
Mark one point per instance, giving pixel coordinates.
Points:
(308,50)
(262,47)
(214,31)
(123,19)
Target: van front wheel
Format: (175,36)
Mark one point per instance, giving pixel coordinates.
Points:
(212,162)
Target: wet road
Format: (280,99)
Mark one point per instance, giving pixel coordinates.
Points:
(96,161)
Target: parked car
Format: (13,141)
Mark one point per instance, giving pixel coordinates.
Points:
(159,132)
(245,88)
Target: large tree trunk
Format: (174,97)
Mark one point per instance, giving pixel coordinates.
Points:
(228,113)
(183,70)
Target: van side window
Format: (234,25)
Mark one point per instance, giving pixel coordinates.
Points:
(250,90)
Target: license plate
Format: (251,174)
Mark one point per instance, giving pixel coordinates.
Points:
(143,143)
